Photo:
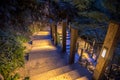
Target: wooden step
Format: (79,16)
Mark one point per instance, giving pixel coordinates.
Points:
(41,61)
(42,54)
(82,78)
(60,35)
(44,41)
(46,67)
(72,75)
(60,38)
(55,72)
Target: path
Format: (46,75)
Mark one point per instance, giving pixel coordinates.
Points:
(46,62)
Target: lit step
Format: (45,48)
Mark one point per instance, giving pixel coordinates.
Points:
(60,38)
(43,61)
(54,72)
(72,75)
(82,78)
(46,67)
(38,54)
(60,35)
(41,42)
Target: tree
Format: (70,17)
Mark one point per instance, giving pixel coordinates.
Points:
(113,6)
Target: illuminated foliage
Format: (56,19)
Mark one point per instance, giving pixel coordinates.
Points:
(12,54)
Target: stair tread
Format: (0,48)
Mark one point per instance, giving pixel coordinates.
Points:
(43,54)
(82,78)
(55,72)
(72,75)
(46,67)
(43,60)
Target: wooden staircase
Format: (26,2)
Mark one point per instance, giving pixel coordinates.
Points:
(46,62)
(67,72)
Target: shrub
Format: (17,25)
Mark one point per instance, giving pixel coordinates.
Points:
(11,55)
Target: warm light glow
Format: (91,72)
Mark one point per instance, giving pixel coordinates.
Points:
(59,29)
(104,52)
(43,47)
(42,44)
(60,77)
(82,43)
(42,33)
(85,55)
(82,78)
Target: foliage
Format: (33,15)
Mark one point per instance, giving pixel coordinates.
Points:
(113,6)
(22,38)
(12,54)
(59,10)
(16,18)
(14,77)
(36,27)
(83,4)
(95,15)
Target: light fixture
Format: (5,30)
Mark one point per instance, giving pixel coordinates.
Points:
(104,51)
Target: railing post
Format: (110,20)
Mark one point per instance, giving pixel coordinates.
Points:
(52,30)
(55,34)
(74,35)
(81,55)
(107,50)
(64,24)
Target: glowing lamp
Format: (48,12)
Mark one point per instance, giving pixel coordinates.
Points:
(104,51)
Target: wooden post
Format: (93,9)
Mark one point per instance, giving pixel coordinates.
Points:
(88,47)
(74,35)
(85,44)
(52,28)
(107,50)
(64,24)
(55,34)
(51,31)
(97,52)
(81,55)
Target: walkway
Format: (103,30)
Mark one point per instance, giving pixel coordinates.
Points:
(46,62)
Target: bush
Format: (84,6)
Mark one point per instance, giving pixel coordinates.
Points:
(22,39)
(11,55)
